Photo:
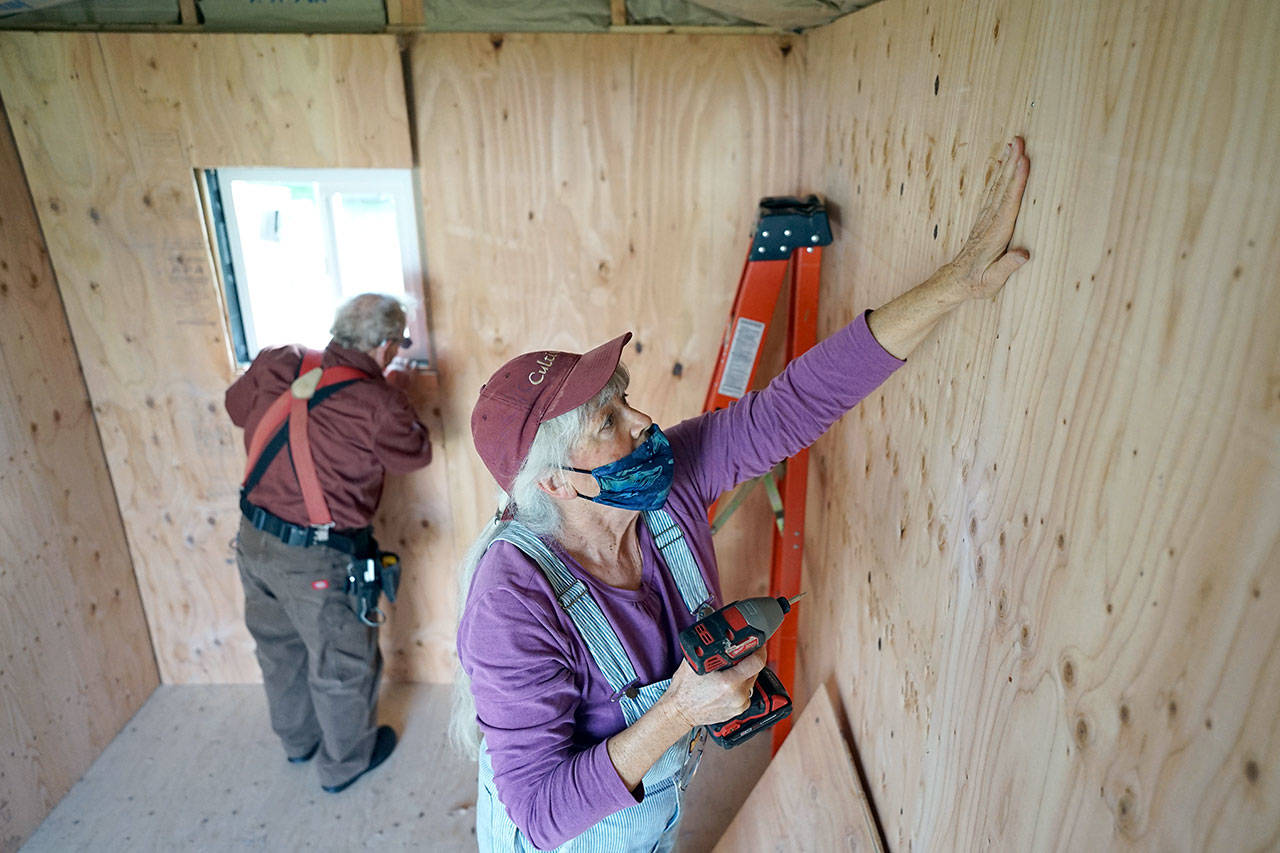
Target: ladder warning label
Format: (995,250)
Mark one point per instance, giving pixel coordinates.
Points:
(747,335)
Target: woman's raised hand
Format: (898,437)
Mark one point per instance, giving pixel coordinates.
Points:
(985,262)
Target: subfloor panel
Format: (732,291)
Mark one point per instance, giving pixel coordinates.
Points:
(198,768)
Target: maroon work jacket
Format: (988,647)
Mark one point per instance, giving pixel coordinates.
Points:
(357,435)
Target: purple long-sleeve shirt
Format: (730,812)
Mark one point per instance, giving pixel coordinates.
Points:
(543,706)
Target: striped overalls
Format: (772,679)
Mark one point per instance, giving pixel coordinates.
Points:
(652,824)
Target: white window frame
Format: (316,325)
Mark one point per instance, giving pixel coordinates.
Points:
(395,182)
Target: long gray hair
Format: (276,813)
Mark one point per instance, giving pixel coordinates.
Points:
(535,509)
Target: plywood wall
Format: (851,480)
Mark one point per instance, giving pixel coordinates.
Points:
(810,797)
(576,187)
(573,187)
(75,658)
(1045,561)
(111,128)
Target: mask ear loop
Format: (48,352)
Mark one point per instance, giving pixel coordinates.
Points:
(565,480)
(562,468)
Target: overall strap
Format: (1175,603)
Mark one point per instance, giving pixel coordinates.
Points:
(679,559)
(603,644)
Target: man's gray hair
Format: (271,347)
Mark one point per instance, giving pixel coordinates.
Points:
(363,322)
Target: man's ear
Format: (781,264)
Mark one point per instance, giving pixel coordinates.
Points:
(557,485)
(382,354)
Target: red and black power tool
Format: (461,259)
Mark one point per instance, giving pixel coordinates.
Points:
(725,637)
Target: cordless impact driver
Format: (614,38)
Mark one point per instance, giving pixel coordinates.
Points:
(722,639)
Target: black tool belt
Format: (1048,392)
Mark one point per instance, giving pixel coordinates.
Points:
(356,542)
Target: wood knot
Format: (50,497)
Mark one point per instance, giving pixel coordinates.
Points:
(1082,732)
(1126,808)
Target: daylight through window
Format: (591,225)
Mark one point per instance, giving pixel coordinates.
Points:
(296,243)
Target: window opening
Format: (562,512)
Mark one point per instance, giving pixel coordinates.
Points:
(294,244)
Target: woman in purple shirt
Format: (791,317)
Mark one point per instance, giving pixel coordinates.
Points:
(578,590)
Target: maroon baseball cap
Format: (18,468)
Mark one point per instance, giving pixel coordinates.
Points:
(530,389)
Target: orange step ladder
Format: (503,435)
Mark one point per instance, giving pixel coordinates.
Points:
(789,236)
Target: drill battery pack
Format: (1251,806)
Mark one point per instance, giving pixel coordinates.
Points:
(770,702)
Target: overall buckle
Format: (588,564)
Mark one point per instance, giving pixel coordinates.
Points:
(694,757)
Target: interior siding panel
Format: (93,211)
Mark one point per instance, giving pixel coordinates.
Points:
(75,656)
(577,187)
(1045,561)
(111,128)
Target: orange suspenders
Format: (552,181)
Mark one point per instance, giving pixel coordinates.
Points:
(292,406)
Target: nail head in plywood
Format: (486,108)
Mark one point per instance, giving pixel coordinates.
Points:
(810,797)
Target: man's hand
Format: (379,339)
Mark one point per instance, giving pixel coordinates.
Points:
(399,375)
(985,262)
(420,386)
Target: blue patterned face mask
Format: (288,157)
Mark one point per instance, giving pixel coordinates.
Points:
(640,480)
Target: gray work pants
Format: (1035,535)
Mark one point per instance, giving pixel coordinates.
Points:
(320,664)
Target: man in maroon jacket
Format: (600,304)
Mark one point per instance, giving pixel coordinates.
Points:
(320,662)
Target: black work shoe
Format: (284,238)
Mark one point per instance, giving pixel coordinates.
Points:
(382,747)
(303,759)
